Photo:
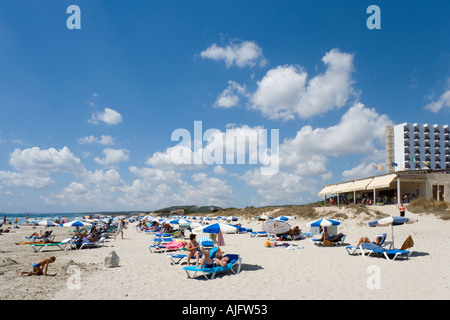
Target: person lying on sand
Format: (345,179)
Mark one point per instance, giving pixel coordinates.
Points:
(40,267)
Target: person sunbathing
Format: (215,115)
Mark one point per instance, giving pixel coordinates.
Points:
(221,262)
(326,236)
(40,267)
(377,240)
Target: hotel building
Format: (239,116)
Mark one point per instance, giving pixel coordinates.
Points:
(417,165)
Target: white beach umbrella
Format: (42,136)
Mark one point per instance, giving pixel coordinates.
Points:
(47,223)
(276,226)
(392,221)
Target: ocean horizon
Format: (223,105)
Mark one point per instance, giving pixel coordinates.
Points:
(22,217)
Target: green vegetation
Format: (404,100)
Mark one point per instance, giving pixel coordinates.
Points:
(439,209)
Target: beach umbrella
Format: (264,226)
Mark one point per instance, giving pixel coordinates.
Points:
(324,223)
(285,218)
(76,223)
(276,226)
(179,221)
(216,228)
(392,221)
(262,217)
(232,218)
(47,223)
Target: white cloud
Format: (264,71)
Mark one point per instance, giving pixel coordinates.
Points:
(50,160)
(284,92)
(108,116)
(443,101)
(303,159)
(219,170)
(113,157)
(241,54)
(359,131)
(105,140)
(231,95)
(35,165)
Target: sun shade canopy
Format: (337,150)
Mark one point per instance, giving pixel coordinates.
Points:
(381,182)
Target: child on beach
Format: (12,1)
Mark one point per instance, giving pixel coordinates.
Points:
(40,267)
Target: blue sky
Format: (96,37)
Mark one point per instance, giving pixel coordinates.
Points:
(88,114)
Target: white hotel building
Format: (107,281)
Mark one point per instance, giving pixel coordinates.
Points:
(413,146)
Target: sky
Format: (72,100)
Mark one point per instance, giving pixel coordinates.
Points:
(135,105)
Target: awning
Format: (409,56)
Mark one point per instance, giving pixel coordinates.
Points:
(342,187)
(381,182)
(327,190)
(360,185)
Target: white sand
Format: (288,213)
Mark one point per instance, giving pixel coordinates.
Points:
(267,273)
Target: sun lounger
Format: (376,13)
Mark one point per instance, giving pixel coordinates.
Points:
(235,260)
(254,234)
(87,244)
(331,242)
(39,247)
(170,246)
(179,258)
(368,249)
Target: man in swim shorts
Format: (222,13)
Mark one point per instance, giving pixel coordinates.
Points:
(40,267)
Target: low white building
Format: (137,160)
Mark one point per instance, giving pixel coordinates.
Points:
(392,187)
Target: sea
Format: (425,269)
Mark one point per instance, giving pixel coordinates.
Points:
(22,217)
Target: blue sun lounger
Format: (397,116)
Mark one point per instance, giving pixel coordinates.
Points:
(235,260)
(368,249)
(258,234)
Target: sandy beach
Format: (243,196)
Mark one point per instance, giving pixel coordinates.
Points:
(306,272)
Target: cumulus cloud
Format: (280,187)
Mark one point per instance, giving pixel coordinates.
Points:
(285,92)
(35,165)
(105,140)
(443,101)
(112,157)
(108,116)
(230,97)
(303,159)
(241,54)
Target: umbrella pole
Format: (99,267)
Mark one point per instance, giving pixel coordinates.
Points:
(392,229)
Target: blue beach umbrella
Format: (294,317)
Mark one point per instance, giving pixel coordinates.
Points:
(76,223)
(179,221)
(392,221)
(284,218)
(217,227)
(324,223)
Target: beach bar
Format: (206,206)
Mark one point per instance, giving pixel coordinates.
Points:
(401,186)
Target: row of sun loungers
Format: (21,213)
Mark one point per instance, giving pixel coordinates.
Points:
(68,244)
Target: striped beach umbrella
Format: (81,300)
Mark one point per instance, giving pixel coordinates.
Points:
(76,223)
(216,228)
(324,223)
(276,226)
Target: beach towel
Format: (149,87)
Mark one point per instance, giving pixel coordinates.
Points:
(175,244)
(407,244)
(221,241)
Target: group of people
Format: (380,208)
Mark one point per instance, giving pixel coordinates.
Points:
(194,249)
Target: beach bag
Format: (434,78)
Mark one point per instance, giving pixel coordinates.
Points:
(327,243)
(112,260)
